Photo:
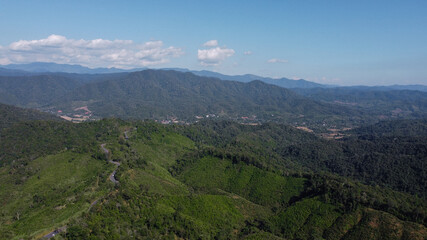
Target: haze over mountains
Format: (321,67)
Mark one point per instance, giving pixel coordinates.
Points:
(216,179)
(213,120)
(215,156)
(186,97)
(42,67)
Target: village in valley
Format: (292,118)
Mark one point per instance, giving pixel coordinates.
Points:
(82,114)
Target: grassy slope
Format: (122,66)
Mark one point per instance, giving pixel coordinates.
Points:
(257,185)
(58,188)
(213,197)
(210,197)
(10,115)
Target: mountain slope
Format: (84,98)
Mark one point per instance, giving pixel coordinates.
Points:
(281,82)
(44,67)
(34,91)
(157,94)
(10,115)
(173,186)
(400,128)
(36,68)
(389,103)
(393,161)
(13,72)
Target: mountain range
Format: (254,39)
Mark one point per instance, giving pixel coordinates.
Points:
(46,67)
(245,159)
(10,115)
(159,93)
(170,94)
(49,68)
(210,180)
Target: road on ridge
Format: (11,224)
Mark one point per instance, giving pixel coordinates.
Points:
(112,178)
(113,174)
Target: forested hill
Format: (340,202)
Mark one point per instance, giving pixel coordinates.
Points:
(393,161)
(405,127)
(281,82)
(11,114)
(159,93)
(387,103)
(211,180)
(34,91)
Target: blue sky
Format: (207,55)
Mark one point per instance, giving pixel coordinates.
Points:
(335,42)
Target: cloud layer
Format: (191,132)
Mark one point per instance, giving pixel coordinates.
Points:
(91,53)
(211,43)
(214,55)
(277,60)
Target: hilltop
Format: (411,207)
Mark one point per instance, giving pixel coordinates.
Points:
(209,180)
(10,115)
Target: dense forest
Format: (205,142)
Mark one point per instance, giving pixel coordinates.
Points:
(10,115)
(158,94)
(186,97)
(389,103)
(213,179)
(258,161)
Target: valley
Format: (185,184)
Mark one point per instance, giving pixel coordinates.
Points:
(213,178)
(166,154)
(213,120)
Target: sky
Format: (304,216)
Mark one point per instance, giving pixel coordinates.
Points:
(360,42)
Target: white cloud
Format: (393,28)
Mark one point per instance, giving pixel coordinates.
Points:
(211,43)
(213,56)
(91,53)
(277,60)
(248,53)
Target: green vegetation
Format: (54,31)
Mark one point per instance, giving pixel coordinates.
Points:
(48,192)
(34,91)
(384,103)
(161,94)
(167,94)
(393,161)
(27,141)
(157,94)
(10,115)
(395,128)
(259,186)
(211,180)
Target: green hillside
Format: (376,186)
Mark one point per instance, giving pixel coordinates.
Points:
(401,128)
(394,161)
(34,91)
(385,103)
(210,180)
(10,115)
(168,94)
(158,94)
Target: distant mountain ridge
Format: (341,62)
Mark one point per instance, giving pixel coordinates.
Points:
(383,101)
(35,68)
(281,82)
(41,67)
(34,91)
(44,67)
(159,93)
(10,115)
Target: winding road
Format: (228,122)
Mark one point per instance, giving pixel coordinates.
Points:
(126,135)
(112,178)
(55,232)
(113,174)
